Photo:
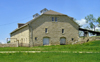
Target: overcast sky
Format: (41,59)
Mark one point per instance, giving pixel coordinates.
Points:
(21,11)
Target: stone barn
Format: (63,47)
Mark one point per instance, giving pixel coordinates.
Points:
(48,28)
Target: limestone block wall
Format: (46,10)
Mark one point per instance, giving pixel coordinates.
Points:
(54,29)
(94,38)
(9,45)
(97,38)
(21,35)
(23,44)
(87,39)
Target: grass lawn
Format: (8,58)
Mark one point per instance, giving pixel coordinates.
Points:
(50,57)
(93,46)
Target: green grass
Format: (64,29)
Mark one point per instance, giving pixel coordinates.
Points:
(93,46)
(50,57)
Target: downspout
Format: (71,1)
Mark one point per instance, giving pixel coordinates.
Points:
(30,36)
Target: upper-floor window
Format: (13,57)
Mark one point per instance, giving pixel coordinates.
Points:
(62,30)
(52,18)
(46,30)
(56,19)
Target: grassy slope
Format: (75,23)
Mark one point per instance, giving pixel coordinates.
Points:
(49,57)
(89,46)
(53,57)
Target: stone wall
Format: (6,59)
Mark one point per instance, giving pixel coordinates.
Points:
(15,44)
(83,40)
(86,39)
(9,45)
(21,35)
(94,38)
(54,31)
(23,45)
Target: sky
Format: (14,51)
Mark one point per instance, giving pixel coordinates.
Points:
(13,12)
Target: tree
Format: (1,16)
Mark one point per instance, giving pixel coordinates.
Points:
(98,20)
(86,27)
(97,30)
(8,42)
(91,20)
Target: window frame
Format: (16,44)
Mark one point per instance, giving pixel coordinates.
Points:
(55,19)
(52,18)
(46,30)
(72,39)
(62,31)
(35,38)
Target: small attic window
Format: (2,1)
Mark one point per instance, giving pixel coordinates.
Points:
(55,19)
(52,18)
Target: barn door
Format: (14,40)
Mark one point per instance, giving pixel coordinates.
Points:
(62,41)
(46,41)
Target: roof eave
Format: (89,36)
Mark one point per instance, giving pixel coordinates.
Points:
(25,24)
(19,28)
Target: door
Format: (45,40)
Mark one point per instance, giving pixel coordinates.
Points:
(46,41)
(62,41)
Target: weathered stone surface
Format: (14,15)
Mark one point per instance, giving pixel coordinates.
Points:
(9,45)
(23,35)
(23,44)
(54,29)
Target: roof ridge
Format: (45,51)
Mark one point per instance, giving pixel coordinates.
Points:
(53,12)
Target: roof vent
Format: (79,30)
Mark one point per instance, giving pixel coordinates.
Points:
(71,18)
(20,24)
(35,15)
(44,10)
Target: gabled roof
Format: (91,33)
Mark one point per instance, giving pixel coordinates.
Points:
(53,12)
(50,12)
(25,24)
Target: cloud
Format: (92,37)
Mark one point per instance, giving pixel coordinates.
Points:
(3,41)
(98,28)
(81,22)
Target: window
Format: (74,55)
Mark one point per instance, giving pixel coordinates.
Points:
(72,39)
(46,30)
(52,18)
(62,30)
(55,19)
(35,38)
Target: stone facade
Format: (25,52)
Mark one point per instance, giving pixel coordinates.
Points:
(15,44)
(21,36)
(33,33)
(54,29)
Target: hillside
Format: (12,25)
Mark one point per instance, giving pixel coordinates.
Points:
(86,52)
(89,46)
